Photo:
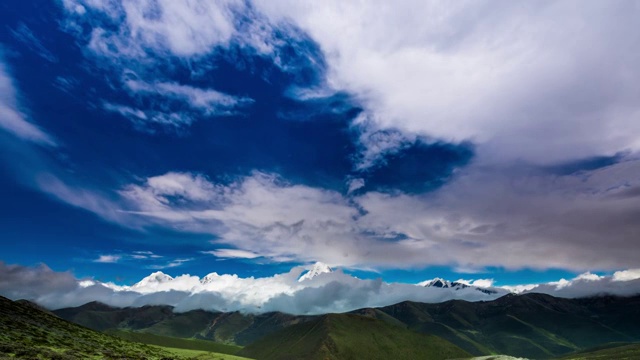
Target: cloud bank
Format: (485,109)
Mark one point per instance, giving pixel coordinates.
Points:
(484,217)
(287,292)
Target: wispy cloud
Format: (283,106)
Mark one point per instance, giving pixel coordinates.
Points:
(232,254)
(210,102)
(12,119)
(108,259)
(135,256)
(170,264)
(174,105)
(24,34)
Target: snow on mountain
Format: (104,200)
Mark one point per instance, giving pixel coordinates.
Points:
(157,277)
(151,283)
(317,269)
(456,285)
(210,278)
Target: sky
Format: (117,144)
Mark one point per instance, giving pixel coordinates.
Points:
(471,140)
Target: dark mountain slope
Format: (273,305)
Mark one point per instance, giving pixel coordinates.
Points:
(348,336)
(530,325)
(618,351)
(233,328)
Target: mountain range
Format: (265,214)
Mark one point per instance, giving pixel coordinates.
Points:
(528,325)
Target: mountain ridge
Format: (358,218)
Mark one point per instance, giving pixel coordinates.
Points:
(534,325)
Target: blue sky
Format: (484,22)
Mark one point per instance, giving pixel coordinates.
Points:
(252,137)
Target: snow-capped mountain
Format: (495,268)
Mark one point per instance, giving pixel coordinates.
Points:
(152,280)
(317,269)
(455,285)
(209,278)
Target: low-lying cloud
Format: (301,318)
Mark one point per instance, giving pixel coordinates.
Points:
(326,292)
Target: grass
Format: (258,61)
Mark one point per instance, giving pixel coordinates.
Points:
(348,336)
(29,333)
(179,343)
(200,355)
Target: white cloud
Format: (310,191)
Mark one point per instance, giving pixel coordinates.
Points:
(140,257)
(158,95)
(585,285)
(233,254)
(12,119)
(626,275)
(375,144)
(355,184)
(133,37)
(523,80)
(481,283)
(185,29)
(462,224)
(135,115)
(171,264)
(108,259)
(208,100)
(326,292)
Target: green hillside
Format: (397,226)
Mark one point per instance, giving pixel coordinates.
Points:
(347,336)
(531,325)
(29,333)
(173,342)
(232,328)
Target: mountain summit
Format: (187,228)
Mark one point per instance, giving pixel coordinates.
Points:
(454,285)
(317,269)
(152,280)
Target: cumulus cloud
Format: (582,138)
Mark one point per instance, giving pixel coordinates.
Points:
(521,80)
(543,81)
(587,284)
(626,275)
(12,119)
(550,91)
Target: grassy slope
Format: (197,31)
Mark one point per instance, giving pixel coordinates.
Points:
(172,342)
(201,355)
(347,336)
(609,351)
(231,328)
(26,332)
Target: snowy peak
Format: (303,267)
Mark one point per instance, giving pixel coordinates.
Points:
(455,285)
(154,279)
(317,269)
(209,278)
(442,283)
